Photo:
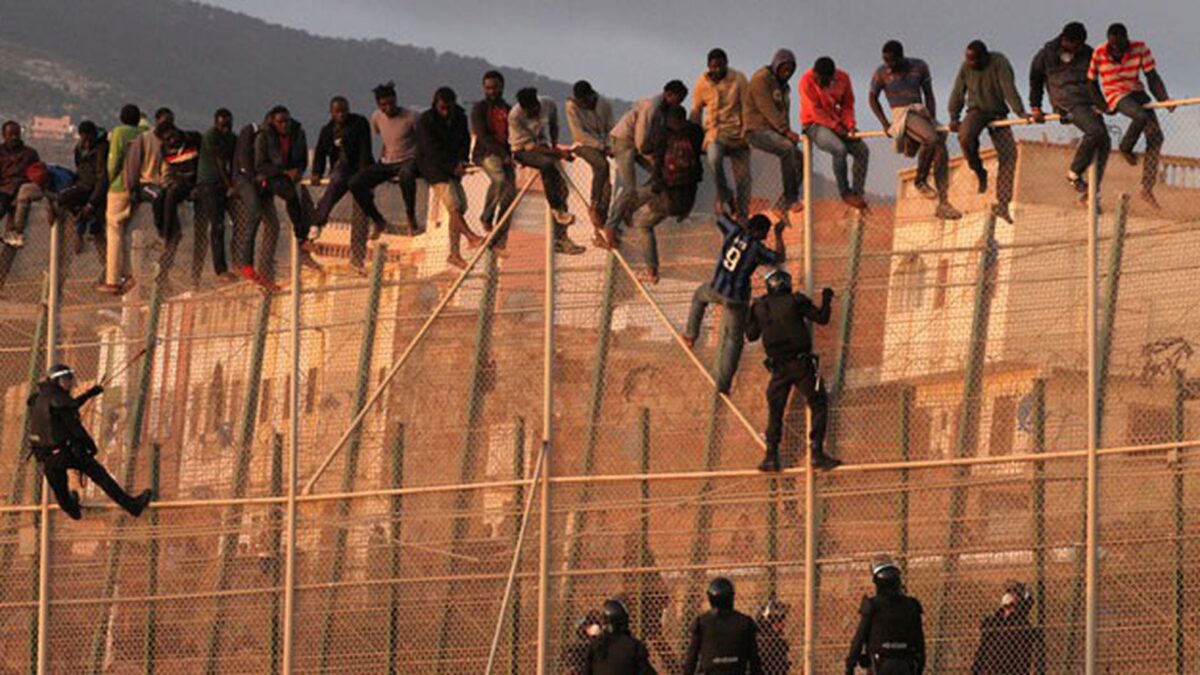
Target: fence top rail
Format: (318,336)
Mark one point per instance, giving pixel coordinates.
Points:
(1028,121)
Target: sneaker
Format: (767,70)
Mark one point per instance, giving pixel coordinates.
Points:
(140,503)
(564,245)
(825,462)
(689,342)
(1078,183)
(945,211)
(563,217)
(457,261)
(648,277)
(314,233)
(1001,211)
(1130,157)
(982,176)
(925,190)
(126,285)
(855,201)
(259,280)
(14,239)
(598,239)
(770,463)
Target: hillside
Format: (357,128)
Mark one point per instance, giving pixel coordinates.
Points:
(86,57)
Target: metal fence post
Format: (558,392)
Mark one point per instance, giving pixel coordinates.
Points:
(353,446)
(151,642)
(810,544)
(1038,415)
(1093,425)
(53,296)
(289,569)
(1179,523)
(543,590)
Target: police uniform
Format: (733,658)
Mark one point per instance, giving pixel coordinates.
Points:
(780,320)
(618,654)
(890,639)
(60,442)
(724,642)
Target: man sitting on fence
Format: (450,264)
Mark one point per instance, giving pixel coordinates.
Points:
(827,113)
(986,86)
(1117,65)
(913,127)
(443,147)
(344,145)
(397,127)
(533,138)
(17,191)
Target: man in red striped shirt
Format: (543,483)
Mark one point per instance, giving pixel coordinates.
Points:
(1118,65)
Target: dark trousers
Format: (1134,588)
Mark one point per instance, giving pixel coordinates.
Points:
(797,373)
(1095,144)
(252,206)
(294,198)
(363,185)
(212,204)
(165,201)
(601,187)
(1142,121)
(72,201)
(552,181)
(338,186)
(55,464)
(972,128)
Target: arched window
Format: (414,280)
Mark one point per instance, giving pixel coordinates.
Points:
(909,283)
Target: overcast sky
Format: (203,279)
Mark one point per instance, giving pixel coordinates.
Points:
(628,48)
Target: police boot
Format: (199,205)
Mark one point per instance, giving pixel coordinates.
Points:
(770,463)
(823,461)
(139,503)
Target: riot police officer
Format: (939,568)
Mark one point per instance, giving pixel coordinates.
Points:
(772,643)
(779,318)
(617,652)
(890,639)
(724,641)
(1008,643)
(59,442)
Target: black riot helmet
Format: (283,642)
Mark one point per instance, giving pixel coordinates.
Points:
(59,370)
(616,617)
(720,593)
(1017,596)
(779,281)
(886,575)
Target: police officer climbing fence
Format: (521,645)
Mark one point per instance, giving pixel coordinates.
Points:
(59,442)
(779,318)
(890,639)
(724,641)
(617,652)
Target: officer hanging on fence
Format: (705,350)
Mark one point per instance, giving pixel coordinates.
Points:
(780,319)
(724,641)
(617,652)
(890,639)
(59,442)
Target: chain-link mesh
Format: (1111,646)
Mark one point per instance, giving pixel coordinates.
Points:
(957,355)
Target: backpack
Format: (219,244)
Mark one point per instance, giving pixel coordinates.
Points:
(679,165)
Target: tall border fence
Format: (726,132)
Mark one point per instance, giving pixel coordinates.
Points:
(393,464)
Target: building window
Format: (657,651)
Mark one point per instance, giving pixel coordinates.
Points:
(264,402)
(1004,424)
(1149,425)
(310,390)
(943,283)
(910,282)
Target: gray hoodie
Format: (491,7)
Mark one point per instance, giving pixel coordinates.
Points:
(767,105)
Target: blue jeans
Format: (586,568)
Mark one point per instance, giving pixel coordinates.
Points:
(791,162)
(732,327)
(831,142)
(716,153)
